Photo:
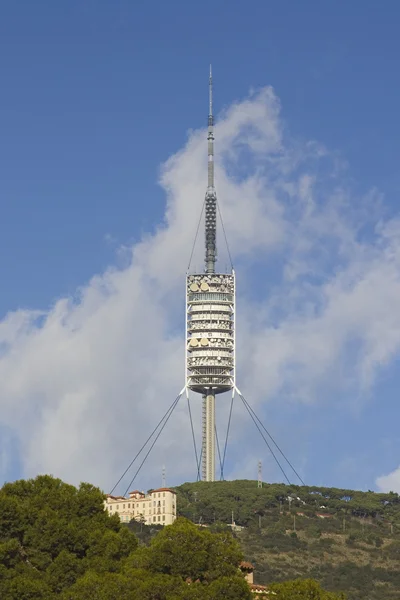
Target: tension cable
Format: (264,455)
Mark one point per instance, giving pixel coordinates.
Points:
(224,232)
(271,438)
(171,408)
(154,442)
(264,438)
(219,452)
(226,439)
(197,233)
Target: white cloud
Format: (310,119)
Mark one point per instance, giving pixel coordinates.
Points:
(82,383)
(389,483)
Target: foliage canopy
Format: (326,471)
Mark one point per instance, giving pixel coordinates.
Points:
(347,540)
(58,541)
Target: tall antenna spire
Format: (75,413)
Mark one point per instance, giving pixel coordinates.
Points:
(210,136)
(211,196)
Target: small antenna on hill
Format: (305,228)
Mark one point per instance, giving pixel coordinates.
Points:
(163,479)
(259,483)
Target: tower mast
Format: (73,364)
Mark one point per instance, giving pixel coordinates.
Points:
(208,414)
(210,320)
(211,196)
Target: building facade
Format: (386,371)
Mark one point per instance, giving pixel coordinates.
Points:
(158,507)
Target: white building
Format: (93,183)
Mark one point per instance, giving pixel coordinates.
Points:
(156,508)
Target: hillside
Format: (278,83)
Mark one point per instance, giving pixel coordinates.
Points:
(348,540)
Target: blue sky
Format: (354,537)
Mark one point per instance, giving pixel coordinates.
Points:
(96,97)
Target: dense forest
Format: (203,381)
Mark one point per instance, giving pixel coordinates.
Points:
(347,540)
(57,541)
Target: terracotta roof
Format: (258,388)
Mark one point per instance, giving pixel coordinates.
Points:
(142,494)
(255,586)
(163,490)
(246,565)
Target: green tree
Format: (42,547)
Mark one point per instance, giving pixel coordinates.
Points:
(51,533)
(64,571)
(229,588)
(25,587)
(104,586)
(185,550)
(57,541)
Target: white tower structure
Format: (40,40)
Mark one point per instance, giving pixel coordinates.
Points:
(210,354)
(210,321)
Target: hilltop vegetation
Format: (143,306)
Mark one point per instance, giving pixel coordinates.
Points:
(57,541)
(347,540)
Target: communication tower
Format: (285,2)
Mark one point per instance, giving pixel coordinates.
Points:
(210,321)
(210,347)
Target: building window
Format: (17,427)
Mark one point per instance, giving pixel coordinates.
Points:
(163,517)
(110,507)
(129,505)
(163,494)
(158,494)
(154,519)
(163,502)
(159,518)
(117,506)
(123,507)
